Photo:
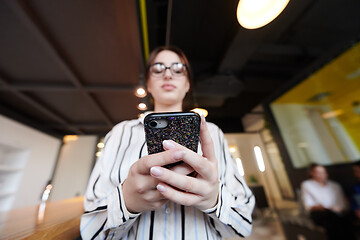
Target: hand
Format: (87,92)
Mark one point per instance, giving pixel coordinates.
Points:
(139,188)
(336,209)
(201,191)
(318,207)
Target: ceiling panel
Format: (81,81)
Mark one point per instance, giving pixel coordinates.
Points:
(19,105)
(98,39)
(120,105)
(22,57)
(73,106)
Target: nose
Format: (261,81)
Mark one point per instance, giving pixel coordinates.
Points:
(167,74)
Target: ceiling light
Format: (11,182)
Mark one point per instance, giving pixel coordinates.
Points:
(319,97)
(69,138)
(259,158)
(142,106)
(240,166)
(252,14)
(232,149)
(332,114)
(200,111)
(140,92)
(354,74)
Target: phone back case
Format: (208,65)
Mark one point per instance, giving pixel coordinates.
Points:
(183,128)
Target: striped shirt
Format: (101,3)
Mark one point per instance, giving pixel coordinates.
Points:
(106,216)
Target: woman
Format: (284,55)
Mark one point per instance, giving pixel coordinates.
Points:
(130,196)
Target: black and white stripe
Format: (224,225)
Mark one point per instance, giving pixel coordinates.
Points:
(105,210)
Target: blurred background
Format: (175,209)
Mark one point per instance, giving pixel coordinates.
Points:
(286,95)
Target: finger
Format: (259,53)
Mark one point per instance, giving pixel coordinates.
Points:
(200,164)
(182,198)
(144,164)
(143,183)
(185,183)
(167,145)
(153,195)
(207,144)
(183,169)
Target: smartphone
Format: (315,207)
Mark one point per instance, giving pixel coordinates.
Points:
(181,127)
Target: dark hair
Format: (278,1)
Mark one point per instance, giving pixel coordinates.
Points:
(188,101)
(312,166)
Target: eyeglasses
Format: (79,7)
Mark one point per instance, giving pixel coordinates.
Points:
(177,69)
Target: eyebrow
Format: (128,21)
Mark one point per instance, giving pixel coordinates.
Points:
(164,63)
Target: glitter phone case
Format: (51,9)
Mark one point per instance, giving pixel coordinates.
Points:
(181,127)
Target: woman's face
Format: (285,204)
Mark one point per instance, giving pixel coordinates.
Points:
(165,88)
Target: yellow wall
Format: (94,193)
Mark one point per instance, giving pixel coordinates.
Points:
(341,78)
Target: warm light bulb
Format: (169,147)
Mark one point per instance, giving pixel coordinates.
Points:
(232,149)
(200,111)
(70,138)
(252,14)
(98,154)
(140,92)
(100,145)
(142,106)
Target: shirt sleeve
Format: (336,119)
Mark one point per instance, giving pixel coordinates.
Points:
(232,215)
(306,197)
(340,198)
(104,203)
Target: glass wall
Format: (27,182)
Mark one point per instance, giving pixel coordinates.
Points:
(319,119)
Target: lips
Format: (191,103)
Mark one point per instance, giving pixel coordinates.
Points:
(168,87)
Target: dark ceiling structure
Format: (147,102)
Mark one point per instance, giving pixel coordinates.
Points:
(72,66)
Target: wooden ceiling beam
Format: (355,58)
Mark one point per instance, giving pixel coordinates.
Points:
(39,106)
(35,27)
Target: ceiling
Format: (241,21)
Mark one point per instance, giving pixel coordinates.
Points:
(72,66)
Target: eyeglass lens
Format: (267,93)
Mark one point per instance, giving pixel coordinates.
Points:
(176,69)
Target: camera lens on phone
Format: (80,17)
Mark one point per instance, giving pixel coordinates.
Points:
(153,124)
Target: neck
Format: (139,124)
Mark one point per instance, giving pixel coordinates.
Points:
(168,108)
(323,183)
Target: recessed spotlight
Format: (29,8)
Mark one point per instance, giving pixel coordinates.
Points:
(142,106)
(232,149)
(140,92)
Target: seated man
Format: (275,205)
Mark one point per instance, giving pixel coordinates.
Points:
(326,204)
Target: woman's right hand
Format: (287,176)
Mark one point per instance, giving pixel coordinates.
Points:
(139,188)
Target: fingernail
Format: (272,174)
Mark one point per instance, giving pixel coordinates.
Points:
(168,144)
(203,119)
(156,171)
(161,188)
(178,155)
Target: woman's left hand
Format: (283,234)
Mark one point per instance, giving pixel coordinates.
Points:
(201,191)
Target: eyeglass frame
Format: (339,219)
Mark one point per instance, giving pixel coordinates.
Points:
(165,68)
